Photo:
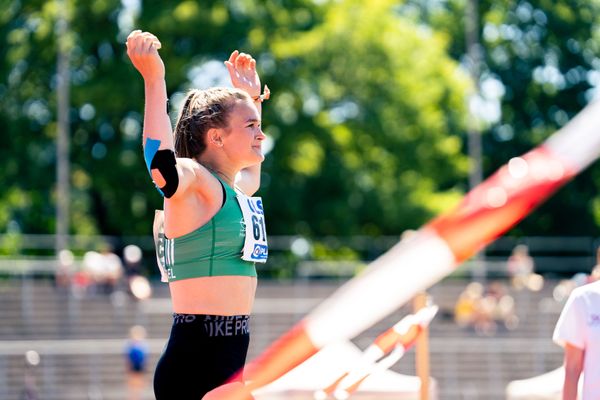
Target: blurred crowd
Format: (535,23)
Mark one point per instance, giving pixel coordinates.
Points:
(564,288)
(487,308)
(103,272)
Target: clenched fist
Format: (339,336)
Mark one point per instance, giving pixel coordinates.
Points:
(142,49)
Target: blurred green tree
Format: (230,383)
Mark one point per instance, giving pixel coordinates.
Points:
(367,123)
(543,58)
(366,115)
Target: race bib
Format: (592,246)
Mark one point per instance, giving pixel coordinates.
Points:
(159,244)
(256,248)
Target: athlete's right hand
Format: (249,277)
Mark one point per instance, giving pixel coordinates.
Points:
(142,49)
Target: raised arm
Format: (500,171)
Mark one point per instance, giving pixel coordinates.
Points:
(157,139)
(171,176)
(242,70)
(142,49)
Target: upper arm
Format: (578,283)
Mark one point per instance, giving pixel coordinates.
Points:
(574,357)
(193,177)
(248,180)
(571,323)
(158,140)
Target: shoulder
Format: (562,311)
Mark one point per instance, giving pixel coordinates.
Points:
(594,286)
(190,164)
(590,289)
(589,294)
(583,298)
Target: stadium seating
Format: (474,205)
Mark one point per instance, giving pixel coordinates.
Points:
(81,340)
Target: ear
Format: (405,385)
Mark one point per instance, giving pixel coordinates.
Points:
(214,137)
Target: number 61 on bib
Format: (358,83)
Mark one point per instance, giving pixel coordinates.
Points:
(256,248)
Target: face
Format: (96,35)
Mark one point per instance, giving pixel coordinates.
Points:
(243,141)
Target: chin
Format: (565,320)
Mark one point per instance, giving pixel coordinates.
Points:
(259,156)
(257,159)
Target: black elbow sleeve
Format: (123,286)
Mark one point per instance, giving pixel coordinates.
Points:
(165,162)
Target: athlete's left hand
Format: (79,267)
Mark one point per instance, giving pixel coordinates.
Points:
(242,70)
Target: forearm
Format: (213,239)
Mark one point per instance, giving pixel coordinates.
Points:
(250,176)
(157,125)
(570,385)
(574,357)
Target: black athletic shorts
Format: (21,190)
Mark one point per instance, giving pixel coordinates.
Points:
(203,352)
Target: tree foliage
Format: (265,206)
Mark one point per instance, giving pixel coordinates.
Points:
(369,121)
(545,54)
(367,115)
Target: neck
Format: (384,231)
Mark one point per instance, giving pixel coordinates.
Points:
(227,173)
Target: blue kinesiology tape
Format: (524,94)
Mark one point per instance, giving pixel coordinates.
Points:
(150,149)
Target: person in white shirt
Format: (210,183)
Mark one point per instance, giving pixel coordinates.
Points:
(578,331)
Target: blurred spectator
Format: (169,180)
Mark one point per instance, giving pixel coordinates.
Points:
(80,282)
(467,304)
(503,311)
(521,270)
(132,256)
(30,389)
(138,285)
(564,288)
(64,270)
(483,310)
(136,354)
(93,268)
(484,322)
(520,266)
(112,270)
(104,269)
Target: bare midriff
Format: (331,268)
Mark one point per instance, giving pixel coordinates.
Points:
(214,295)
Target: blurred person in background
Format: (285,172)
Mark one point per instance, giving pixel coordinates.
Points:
(137,284)
(132,257)
(503,310)
(112,270)
(465,309)
(136,353)
(564,287)
(30,388)
(483,309)
(64,271)
(212,231)
(104,269)
(520,266)
(578,332)
(92,270)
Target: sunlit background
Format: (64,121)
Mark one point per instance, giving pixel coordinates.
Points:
(383,114)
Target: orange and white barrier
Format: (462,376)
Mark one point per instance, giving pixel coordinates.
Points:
(413,265)
(345,389)
(398,339)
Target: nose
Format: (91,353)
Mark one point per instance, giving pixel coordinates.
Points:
(261,135)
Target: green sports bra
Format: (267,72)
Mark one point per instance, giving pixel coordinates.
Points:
(214,249)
